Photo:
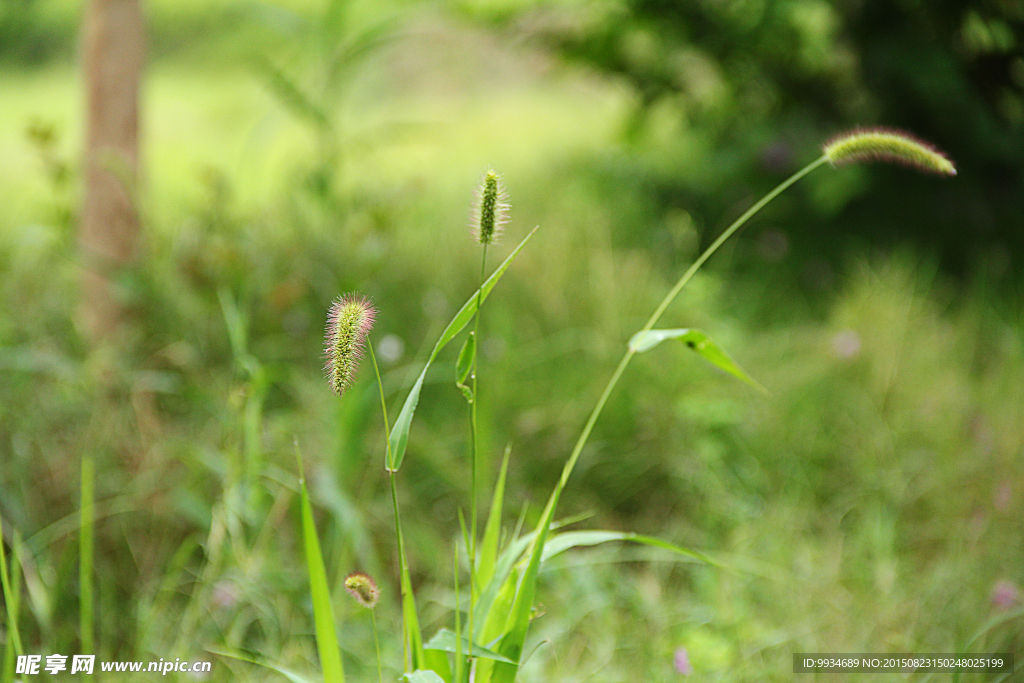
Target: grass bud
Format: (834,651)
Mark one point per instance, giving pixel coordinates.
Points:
(363,588)
(865,144)
(348,323)
(490,211)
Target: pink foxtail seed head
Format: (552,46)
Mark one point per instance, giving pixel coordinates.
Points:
(348,323)
(363,589)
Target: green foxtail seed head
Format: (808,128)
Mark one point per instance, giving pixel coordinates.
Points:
(348,323)
(363,588)
(490,211)
(864,144)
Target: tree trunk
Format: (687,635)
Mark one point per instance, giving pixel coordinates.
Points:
(112,60)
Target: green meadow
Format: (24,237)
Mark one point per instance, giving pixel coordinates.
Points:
(870,501)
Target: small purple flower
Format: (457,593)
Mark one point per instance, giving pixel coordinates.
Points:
(846,344)
(682,662)
(1005,595)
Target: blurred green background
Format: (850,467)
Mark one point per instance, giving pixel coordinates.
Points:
(299,149)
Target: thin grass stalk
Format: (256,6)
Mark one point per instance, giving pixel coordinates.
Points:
(459,663)
(410,624)
(376,646)
(86,541)
(474,443)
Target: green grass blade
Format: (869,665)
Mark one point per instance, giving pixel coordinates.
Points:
(447,641)
(489,597)
(323,610)
(399,438)
(86,538)
(494,623)
(519,617)
(577,539)
(287,673)
(9,598)
(291,95)
(992,623)
(437,661)
(467,355)
(14,608)
(489,546)
(697,341)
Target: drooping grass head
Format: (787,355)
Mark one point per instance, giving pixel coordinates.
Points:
(885,144)
(348,323)
(363,589)
(490,211)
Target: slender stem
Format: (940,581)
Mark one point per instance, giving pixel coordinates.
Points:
(459,660)
(474,442)
(736,225)
(403,567)
(402,562)
(652,321)
(376,645)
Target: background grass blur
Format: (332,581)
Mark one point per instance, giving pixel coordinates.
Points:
(297,150)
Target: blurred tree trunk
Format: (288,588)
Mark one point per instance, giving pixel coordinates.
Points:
(112,47)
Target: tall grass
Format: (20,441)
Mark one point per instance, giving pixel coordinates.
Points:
(11,583)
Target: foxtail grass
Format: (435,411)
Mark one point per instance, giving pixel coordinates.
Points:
(503,582)
(491,215)
(887,144)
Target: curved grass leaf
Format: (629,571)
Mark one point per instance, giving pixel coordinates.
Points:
(466,357)
(489,547)
(488,600)
(697,341)
(399,438)
(287,673)
(577,539)
(446,641)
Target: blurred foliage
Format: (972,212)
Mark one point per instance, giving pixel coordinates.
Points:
(762,80)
